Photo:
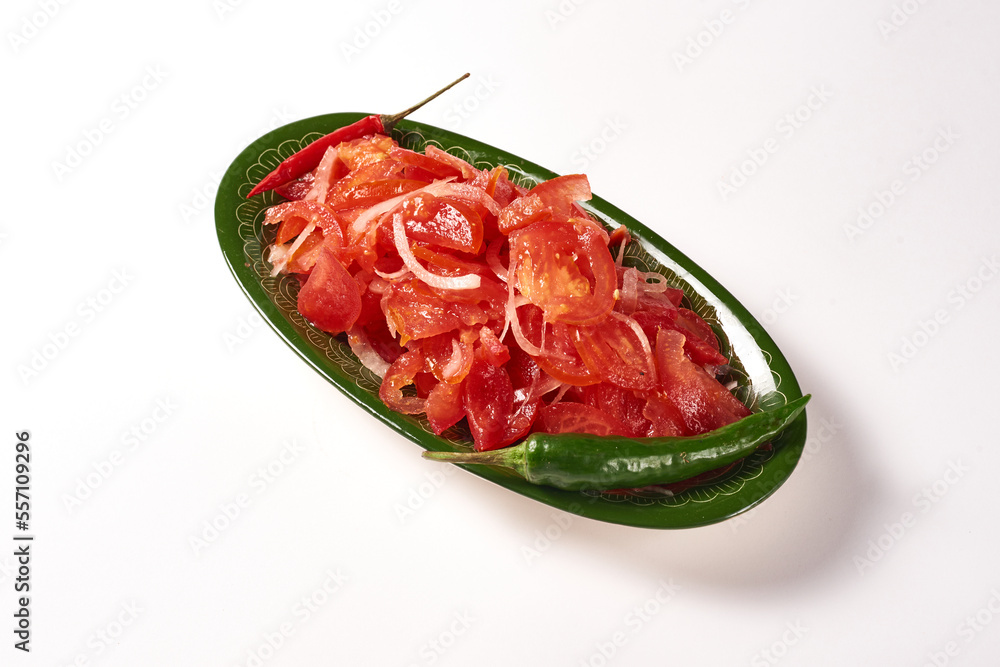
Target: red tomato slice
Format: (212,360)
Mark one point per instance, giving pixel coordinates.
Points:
(416,311)
(522,212)
(703,403)
(700,351)
(566,270)
(305,256)
(553,199)
(561,193)
(500,187)
(437,169)
(491,349)
(488,397)
(523,415)
(296,190)
(447,223)
(665,419)
(444,406)
(622,405)
(330,298)
(449,356)
(295,216)
(376,171)
(382,341)
(446,264)
(467,170)
(567,417)
(369,193)
(290,228)
(359,153)
(559,357)
(617,353)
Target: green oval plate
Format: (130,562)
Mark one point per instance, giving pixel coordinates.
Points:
(763,377)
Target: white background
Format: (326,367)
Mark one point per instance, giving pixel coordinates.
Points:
(881,549)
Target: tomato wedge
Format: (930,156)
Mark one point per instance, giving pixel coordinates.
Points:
(551,200)
(330,297)
(444,406)
(488,397)
(295,216)
(561,193)
(704,404)
(700,343)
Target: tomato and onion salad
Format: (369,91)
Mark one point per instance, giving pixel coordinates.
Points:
(478,300)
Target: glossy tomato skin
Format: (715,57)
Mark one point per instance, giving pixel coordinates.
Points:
(330,297)
(369,193)
(296,215)
(551,200)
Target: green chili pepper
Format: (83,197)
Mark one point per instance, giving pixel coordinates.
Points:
(576,461)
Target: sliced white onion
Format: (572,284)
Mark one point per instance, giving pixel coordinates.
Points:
(277,255)
(559,396)
(465,191)
(659,284)
(454,364)
(395,275)
(282,262)
(377,285)
(493,258)
(630,291)
(468,281)
(366,354)
(321,182)
(545,384)
(515,328)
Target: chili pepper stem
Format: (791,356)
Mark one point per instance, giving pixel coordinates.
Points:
(508,457)
(388,122)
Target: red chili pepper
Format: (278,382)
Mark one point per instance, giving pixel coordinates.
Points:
(309,157)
